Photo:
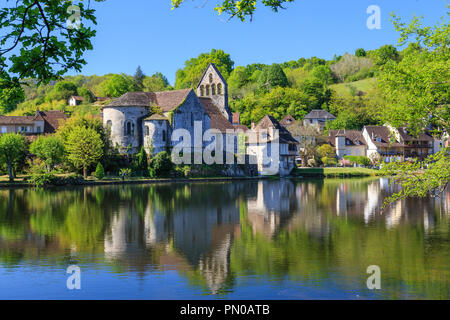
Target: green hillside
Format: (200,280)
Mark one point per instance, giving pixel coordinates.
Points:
(348,89)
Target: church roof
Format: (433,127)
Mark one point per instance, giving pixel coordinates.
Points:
(167,100)
(218,121)
(287,120)
(156,116)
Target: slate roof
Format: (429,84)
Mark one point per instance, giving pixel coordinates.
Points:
(354,136)
(270,122)
(319,114)
(167,100)
(218,121)
(51,119)
(384,134)
(407,138)
(78,98)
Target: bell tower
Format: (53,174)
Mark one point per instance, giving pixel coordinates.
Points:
(212,85)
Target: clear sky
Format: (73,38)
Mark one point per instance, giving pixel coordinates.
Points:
(148,33)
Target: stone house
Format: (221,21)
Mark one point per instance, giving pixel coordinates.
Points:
(347,142)
(318,118)
(272,146)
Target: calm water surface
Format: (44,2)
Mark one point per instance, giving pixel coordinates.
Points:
(280,239)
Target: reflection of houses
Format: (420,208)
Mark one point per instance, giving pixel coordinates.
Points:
(272,206)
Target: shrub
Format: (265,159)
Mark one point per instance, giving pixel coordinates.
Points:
(161,164)
(99,171)
(125,172)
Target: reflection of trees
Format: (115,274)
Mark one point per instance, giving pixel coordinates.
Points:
(212,233)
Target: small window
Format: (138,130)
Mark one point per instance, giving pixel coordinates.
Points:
(38,129)
(129,128)
(164,135)
(219,88)
(213,89)
(202,90)
(207,90)
(109,124)
(4,129)
(147,131)
(210,78)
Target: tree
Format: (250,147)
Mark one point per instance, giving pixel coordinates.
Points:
(360,52)
(272,76)
(87,94)
(385,54)
(326,150)
(240,9)
(62,90)
(99,171)
(49,149)
(161,164)
(142,161)
(157,82)
(84,148)
(10,97)
(194,68)
(138,79)
(36,41)
(323,74)
(13,147)
(116,85)
(417,93)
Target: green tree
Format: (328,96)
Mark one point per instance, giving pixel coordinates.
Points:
(240,9)
(417,93)
(385,54)
(157,82)
(194,68)
(62,91)
(116,85)
(84,148)
(323,74)
(13,147)
(36,43)
(326,150)
(142,161)
(10,97)
(272,76)
(161,164)
(360,52)
(87,94)
(99,171)
(138,79)
(49,149)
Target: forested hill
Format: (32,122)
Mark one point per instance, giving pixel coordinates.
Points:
(345,86)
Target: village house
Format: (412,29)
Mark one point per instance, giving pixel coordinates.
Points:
(75,100)
(347,142)
(395,144)
(318,118)
(43,122)
(273,147)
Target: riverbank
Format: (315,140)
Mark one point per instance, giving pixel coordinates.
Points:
(90,181)
(333,172)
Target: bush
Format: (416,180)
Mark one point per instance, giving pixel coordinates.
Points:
(99,171)
(328,161)
(161,164)
(125,172)
(361,160)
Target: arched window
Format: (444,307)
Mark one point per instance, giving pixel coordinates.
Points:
(109,124)
(219,88)
(129,128)
(147,131)
(207,90)
(213,89)
(202,90)
(210,78)
(164,135)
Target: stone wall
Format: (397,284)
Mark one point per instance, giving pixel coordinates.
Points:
(158,135)
(117,118)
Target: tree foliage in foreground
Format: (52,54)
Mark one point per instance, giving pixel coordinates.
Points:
(50,149)
(13,148)
(241,9)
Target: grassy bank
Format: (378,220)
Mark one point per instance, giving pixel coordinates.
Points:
(335,172)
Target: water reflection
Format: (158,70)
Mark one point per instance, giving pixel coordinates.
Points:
(218,236)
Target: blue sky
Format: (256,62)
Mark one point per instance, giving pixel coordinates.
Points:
(148,33)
